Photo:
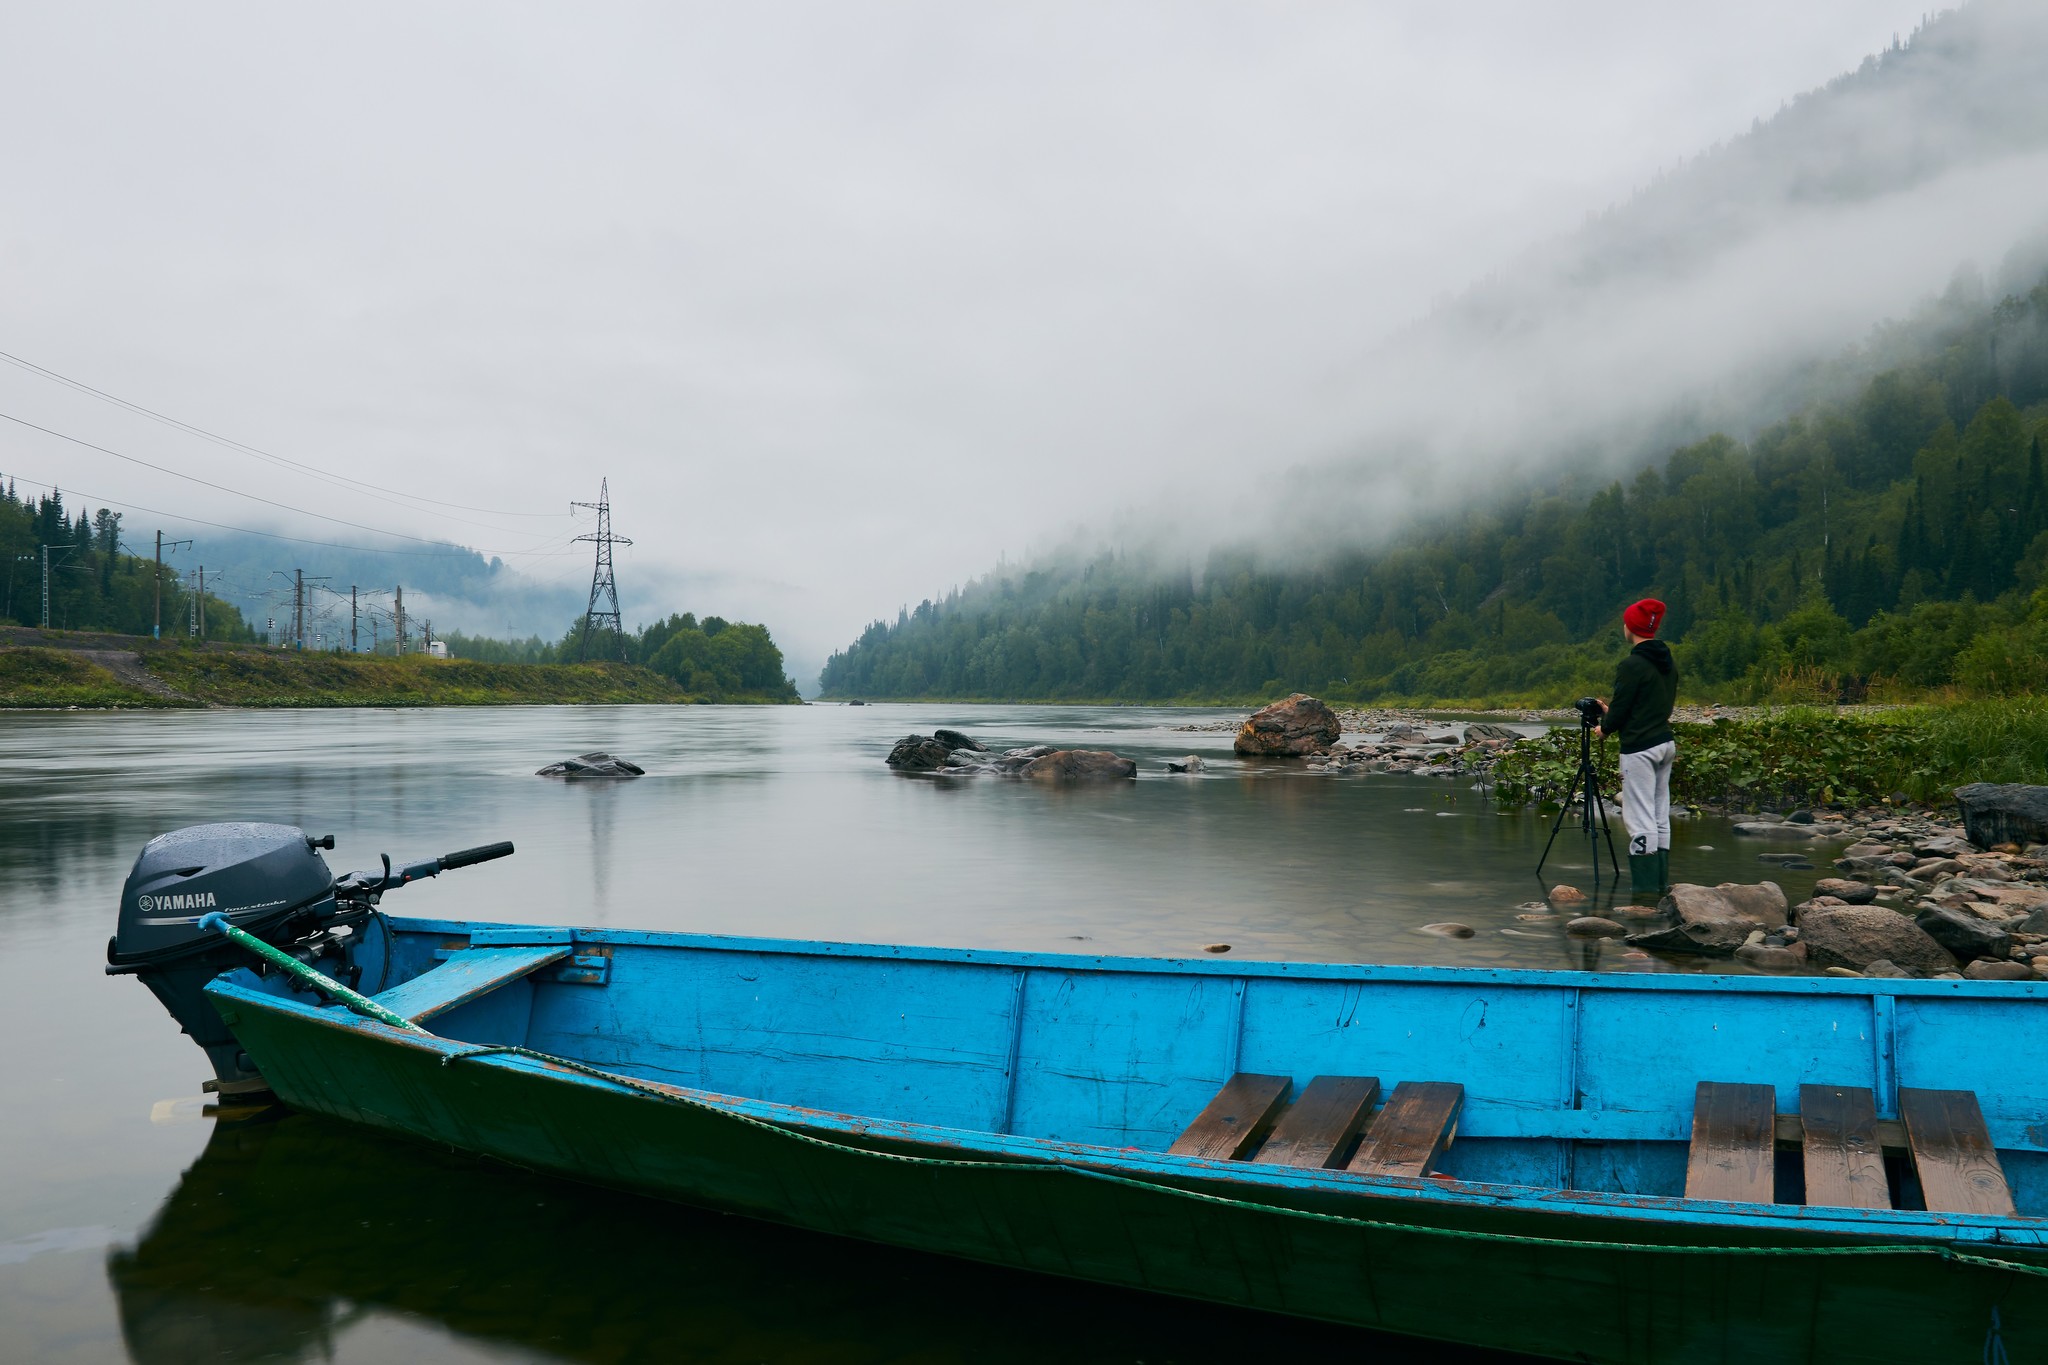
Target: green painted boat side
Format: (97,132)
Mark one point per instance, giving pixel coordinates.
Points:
(1452,1272)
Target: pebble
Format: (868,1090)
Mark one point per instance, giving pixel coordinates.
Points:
(1844,971)
(1448,929)
(1217,948)
(1566,895)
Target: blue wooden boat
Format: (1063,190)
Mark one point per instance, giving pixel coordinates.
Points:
(1601,1168)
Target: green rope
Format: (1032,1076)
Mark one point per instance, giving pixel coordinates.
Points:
(658,1092)
(315,980)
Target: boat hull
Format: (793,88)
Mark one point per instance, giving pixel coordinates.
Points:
(1500,1271)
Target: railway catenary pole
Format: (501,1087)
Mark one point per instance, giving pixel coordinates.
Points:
(352,619)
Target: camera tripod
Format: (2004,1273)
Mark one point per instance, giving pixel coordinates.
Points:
(1592,807)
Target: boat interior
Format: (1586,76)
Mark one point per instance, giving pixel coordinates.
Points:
(1847,1094)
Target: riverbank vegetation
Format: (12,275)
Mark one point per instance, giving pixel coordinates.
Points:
(63,678)
(1804,757)
(267,678)
(1891,543)
(714,658)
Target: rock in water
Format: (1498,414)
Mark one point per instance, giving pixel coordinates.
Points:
(1964,934)
(1481,730)
(1713,920)
(1762,903)
(1079,765)
(599,764)
(1566,895)
(1447,929)
(2004,812)
(1593,926)
(1288,729)
(1841,888)
(953,739)
(1191,764)
(1857,936)
(918,754)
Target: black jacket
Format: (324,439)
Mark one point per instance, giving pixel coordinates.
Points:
(1645,690)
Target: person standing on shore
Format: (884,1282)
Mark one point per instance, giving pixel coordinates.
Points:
(1645,690)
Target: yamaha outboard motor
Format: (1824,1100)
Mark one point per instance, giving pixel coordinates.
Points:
(268,880)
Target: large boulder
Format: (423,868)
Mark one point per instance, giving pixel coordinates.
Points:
(1079,765)
(1855,936)
(1288,729)
(953,739)
(2004,813)
(1712,920)
(598,764)
(918,754)
(1484,730)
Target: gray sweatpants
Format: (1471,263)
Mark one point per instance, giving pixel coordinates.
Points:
(1646,798)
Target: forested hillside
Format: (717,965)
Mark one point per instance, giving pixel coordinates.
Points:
(96,583)
(716,659)
(1896,540)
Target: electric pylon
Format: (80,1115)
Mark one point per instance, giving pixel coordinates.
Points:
(603,586)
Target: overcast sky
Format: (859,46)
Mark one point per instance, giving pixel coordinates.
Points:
(845,299)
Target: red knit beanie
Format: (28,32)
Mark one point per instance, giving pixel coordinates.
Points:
(1642,618)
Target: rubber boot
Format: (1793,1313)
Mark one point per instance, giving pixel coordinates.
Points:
(1642,877)
(1663,870)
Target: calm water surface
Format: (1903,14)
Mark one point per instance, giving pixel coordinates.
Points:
(135,1224)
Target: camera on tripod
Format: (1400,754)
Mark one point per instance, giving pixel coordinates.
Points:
(1585,791)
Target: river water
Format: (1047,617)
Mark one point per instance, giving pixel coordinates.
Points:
(135,1223)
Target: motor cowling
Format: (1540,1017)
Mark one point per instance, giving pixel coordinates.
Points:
(267,879)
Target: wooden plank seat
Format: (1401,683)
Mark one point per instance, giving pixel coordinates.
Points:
(1317,1129)
(1840,1149)
(1952,1152)
(1734,1143)
(466,975)
(1419,1122)
(1236,1120)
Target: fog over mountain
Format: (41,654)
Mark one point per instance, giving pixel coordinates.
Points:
(849,301)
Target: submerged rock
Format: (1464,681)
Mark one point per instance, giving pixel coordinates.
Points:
(1593,926)
(1079,765)
(1191,764)
(598,764)
(1447,929)
(1288,729)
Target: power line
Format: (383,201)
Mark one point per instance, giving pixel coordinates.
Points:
(246,448)
(219,487)
(452,550)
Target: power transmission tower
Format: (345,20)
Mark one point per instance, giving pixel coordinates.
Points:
(603,586)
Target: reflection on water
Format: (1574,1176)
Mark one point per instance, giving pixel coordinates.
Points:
(286,1237)
(289,1240)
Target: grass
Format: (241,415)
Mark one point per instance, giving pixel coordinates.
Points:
(1805,756)
(54,677)
(261,678)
